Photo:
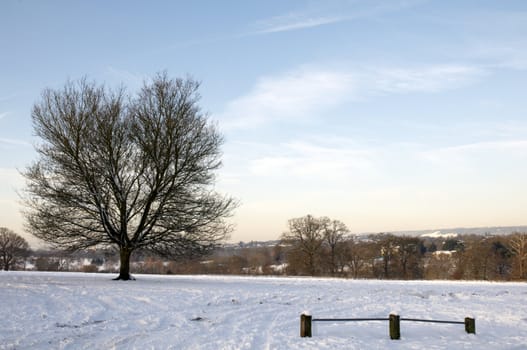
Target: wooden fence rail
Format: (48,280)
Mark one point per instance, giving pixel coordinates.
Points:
(394,323)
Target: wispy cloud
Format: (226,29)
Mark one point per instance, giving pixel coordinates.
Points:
(13,142)
(296,94)
(328,12)
(3,115)
(460,153)
(127,78)
(303,158)
(295,22)
(501,146)
(493,38)
(7,97)
(512,55)
(432,78)
(306,92)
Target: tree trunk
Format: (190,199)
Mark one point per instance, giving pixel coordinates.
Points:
(124,269)
(312,264)
(5,262)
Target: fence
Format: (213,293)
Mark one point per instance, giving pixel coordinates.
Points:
(394,323)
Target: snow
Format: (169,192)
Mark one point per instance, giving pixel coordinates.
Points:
(443,252)
(438,234)
(90,311)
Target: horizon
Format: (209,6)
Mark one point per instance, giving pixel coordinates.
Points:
(389,116)
(39,245)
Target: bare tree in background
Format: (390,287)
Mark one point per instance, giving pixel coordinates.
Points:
(13,248)
(387,248)
(334,233)
(518,245)
(410,252)
(306,235)
(357,254)
(135,173)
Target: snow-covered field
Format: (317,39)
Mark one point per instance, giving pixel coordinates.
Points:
(90,311)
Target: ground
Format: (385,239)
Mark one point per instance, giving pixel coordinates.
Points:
(87,311)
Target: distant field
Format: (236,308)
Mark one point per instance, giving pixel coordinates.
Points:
(90,311)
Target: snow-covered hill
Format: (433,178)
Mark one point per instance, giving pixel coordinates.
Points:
(439,234)
(90,311)
(491,230)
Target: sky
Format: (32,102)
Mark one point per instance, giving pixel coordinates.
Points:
(385,115)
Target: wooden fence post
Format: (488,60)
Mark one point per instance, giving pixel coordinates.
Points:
(305,325)
(395,327)
(470,325)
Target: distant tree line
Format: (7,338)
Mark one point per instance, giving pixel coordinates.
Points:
(317,247)
(387,256)
(322,247)
(377,256)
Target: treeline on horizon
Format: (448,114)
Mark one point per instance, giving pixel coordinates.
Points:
(376,256)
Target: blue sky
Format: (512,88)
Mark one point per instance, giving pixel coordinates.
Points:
(386,115)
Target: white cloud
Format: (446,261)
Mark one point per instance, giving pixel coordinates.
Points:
(501,146)
(3,115)
(308,91)
(297,94)
(310,160)
(432,78)
(461,152)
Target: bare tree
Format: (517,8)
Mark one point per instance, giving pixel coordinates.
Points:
(306,234)
(356,255)
(501,258)
(132,172)
(518,245)
(334,233)
(387,247)
(13,248)
(410,253)
(440,265)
